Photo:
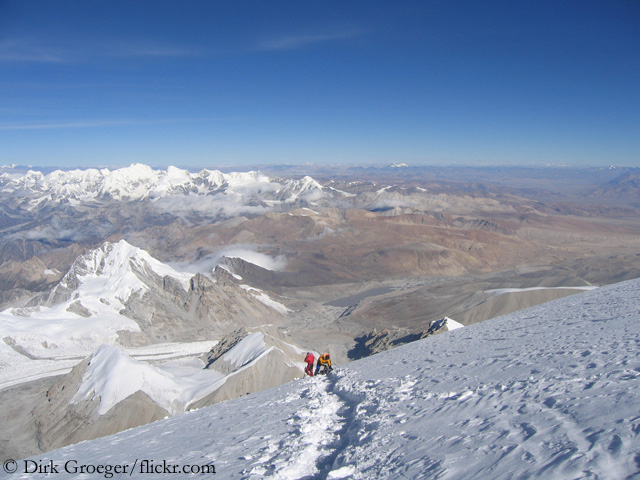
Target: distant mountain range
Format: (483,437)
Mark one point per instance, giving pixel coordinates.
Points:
(35,190)
(626,185)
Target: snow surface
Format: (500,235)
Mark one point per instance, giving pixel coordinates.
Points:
(500,291)
(22,369)
(247,349)
(550,392)
(452,324)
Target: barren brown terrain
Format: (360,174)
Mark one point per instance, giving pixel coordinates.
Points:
(418,249)
(434,239)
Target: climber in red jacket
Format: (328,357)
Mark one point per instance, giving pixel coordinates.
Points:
(309,368)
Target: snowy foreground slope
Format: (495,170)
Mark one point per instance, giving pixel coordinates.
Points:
(548,392)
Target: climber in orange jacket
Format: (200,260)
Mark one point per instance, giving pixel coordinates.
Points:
(324,364)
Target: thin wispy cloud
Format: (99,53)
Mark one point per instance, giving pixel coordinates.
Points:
(29,52)
(145,48)
(295,42)
(37,51)
(82,124)
(100,123)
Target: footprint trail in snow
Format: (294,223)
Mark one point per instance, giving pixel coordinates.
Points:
(314,432)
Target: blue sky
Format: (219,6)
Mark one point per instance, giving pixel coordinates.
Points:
(211,83)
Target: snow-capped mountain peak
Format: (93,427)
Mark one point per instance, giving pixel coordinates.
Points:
(113,269)
(86,308)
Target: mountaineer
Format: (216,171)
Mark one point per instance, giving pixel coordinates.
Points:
(309,368)
(324,364)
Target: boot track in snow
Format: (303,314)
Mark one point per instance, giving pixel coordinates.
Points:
(318,433)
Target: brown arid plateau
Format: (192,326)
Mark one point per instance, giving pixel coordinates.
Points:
(352,261)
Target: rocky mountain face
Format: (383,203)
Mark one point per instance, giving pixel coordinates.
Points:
(626,185)
(378,341)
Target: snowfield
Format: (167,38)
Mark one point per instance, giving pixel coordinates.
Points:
(549,392)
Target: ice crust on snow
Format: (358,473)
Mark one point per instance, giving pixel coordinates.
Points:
(549,392)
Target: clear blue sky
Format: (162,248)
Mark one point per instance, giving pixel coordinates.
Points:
(212,83)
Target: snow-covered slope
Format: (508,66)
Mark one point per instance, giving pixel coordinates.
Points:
(174,386)
(112,376)
(550,392)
